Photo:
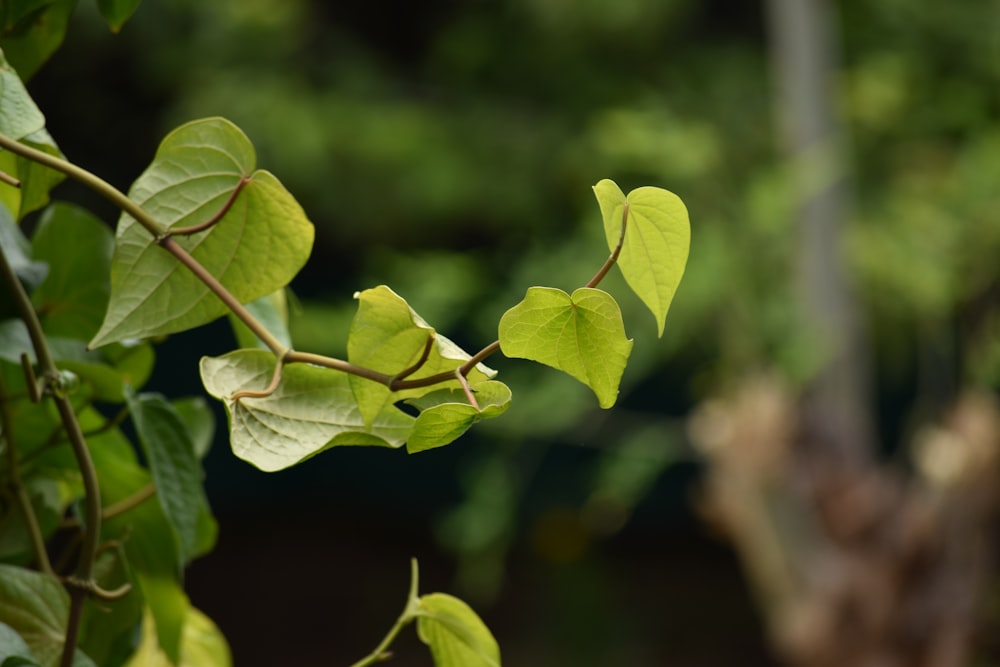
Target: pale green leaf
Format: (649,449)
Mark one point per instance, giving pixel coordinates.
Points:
(170,454)
(19,116)
(271,311)
(388,336)
(36,606)
(581,335)
(77,247)
(457,637)
(446,414)
(202,645)
(199,419)
(657,239)
(312,409)
(255,249)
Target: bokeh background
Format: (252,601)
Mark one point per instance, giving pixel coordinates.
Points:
(447,149)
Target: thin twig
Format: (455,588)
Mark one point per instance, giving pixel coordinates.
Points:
(194,229)
(599,276)
(381,652)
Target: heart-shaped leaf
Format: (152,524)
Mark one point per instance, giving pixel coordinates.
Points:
(257,247)
(312,409)
(657,239)
(455,634)
(388,336)
(35,605)
(582,335)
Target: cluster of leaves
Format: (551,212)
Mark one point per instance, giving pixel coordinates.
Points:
(204,233)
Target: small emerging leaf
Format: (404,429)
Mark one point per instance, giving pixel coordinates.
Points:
(582,335)
(657,239)
(311,409)
(457,637)
(442,423)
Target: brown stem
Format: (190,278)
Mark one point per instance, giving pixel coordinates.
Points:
(194,229)
(599,276)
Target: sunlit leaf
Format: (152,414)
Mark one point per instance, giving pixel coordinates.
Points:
(72,299)
(202,645)
(388,336)
(657,238)
(311,409)
(446,414)
(457,637)
(170,454)
(581,335)
(256,248)
(36,606)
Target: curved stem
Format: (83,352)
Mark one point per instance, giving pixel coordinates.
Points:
(599,276)
(381,652)
(194,229)
(446,376)
(88,473)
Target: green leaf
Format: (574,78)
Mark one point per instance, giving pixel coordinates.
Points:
(202,645)
(116,12)
(18,252)
(581,335)
(74,295)
(35,35)
(451,415)
(199,419)
(36,179)
(36,606)
(19,116)
(12,645)
(388,336)
(456,636)
(171,457)
(47,503)
(657,239)
(256,248)
(311,409)
(270,310)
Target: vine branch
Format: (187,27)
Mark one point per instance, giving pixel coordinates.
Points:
(410,611)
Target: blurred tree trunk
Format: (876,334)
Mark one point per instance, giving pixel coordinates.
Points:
(854,563)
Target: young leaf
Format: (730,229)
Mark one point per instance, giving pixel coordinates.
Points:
(311,409)
(450,415)
(657,238)
(36,606)
(74,295)
(456,636)
(257,247)
(19,116)
(170,454)
(581,335)
(388,336)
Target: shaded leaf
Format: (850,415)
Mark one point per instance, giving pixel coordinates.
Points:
(116,12)
(451,415)
(72,299)
(581,335)
(36,35)
(256,248)
(196,414)
(170,455)
(13,646)
(456,636)
(311,409)
(35,606)
(657,239)
(17,249)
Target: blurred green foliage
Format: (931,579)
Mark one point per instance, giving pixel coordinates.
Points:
(447,149)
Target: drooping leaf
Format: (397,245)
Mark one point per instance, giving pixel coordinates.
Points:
(388,336)
(37,30)
(36,606)
(77,247)
(657,239)
(257,247)
(457,637)
(581,335)
(36,180)
(170,454)
(311,409)
(270,310)
(19,116)
(202,645)
(116,12)
(446,414)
